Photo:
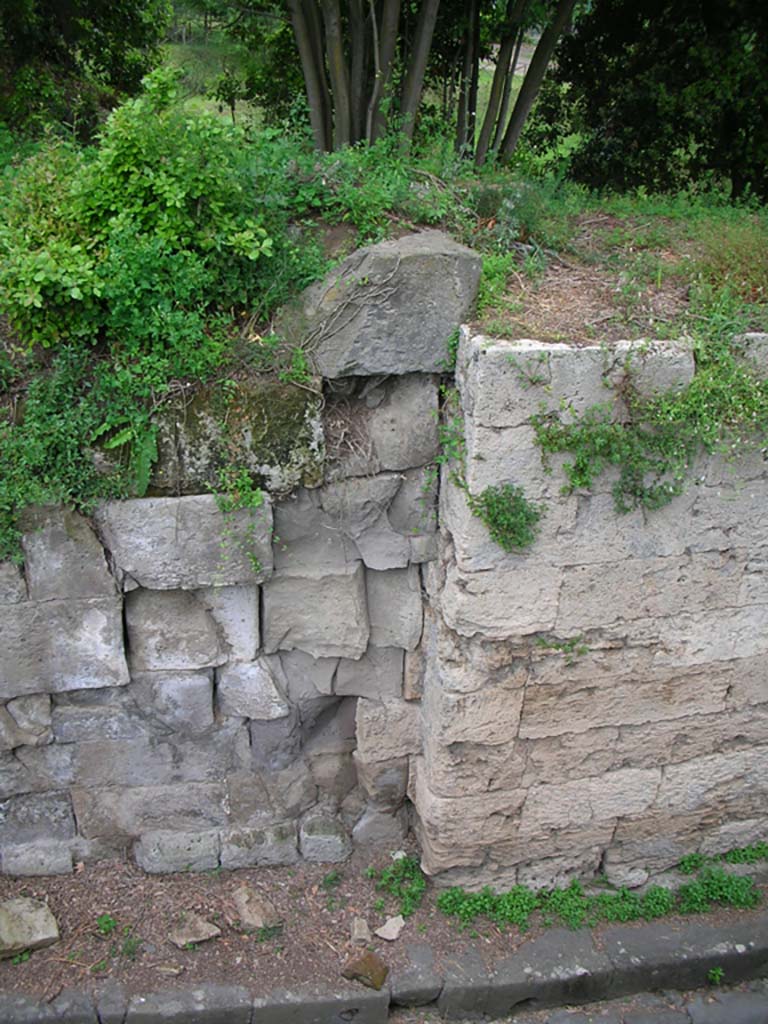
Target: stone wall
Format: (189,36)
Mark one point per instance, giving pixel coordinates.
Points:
(648,738)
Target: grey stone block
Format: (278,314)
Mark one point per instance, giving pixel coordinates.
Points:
(418,982)
(207,1004)
(727,1008)
(378,674)
(62,556)
(170,543)
(236,612)
(82,723)
(111,1002)
(24,819)
(27,720)
(658,1015)
(384,782)
(38,858)
(389,308)
(249,689)
(163,852)
(13,587)
(395,607)
(275,743)
(132,811)
(181,701)
(73,1007)
(316,1004)
(383,829)
(560,966)
(324,840)
(18,1009)
(49,646)
(466,987)
(247,847)
(170,629)
(671,955)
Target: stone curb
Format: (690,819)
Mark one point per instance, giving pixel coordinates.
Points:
(560,967)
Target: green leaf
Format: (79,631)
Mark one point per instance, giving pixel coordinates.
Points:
(121,437)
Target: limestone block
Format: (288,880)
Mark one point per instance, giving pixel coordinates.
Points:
(617,794)
(395,607)
(488,716)
(170,630)
(553,710)
(710,636)
(161,852)
(248,847)
(26,924)
(62,556)
(381,829)
(753,348)
(39,858)
(249,689)
(501,604)
(378,674)
(414,666)
(323,615)
(307,536)
(323,839)
(98,722)
(57,645)
(235,610)
(248,798)
(181,701)
(716,780)
(13,587)
(387,729)
(734,834)
(334,775)
(292,789)
(747,684)
(306,678)
(26,721)
(654,367)
(459,769)
(728,515)
(384,782)
(187,543)
(24,819)
(132,811)
(388,308)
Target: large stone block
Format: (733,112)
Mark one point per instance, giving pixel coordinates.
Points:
(235,610)
(249,689)
(187,543)
(50,646)
(500,605)
(98,720)
(487,716)
(161,852)
(248,847)
(23,819)
(731,777)
(378,674)
(62,556)
(131,811)
(395,607)
(37,859)
(307,678)
(384,782)
(387,729)
(169,630)
(324,615)
(13,587)
(181,701)
(389,308)
(307,536)
(323,839)
(462,768)
(617,794)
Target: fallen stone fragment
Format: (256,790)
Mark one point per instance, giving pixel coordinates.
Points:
(192,930)
(25,924)
(255,911)
(391,928)
(361,933)
(367,968)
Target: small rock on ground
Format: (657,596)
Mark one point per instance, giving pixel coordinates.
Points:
(25,924)
(193,929)
(367,968)
(255,911)
(360,932)
(391,928)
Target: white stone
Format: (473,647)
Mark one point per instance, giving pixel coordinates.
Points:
(25,924)
(391,929)
(235,610)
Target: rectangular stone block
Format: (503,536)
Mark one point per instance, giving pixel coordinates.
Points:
(206,1004)
(36,859)
(377,675)
(161,852)
(181,701)
(170,630)
(387,729)
(395,607)
(501,604)
(487,716)
(249,847)
(714,780)
(24,819)
(235,610)
(621,793)
(50,646)
(323,615)
(188,542)
(249,689)
(132,811)
(62,556)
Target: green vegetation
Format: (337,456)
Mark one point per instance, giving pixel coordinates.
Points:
(106,924)
(404,881)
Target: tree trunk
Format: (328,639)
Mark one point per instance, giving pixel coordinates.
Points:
(498,134)
(414,79)
(501,76)
(474,29)
(313,74)
(390,20)
(357,70)
(338,73)
(462,115)
(535,76)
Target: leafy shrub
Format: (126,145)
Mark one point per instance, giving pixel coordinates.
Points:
(404,880)
(511,519)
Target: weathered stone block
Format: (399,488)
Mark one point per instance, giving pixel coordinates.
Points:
(180,701)
(98,722)
(39,858)
(395,607)
(356,509)
(324,840)
(307,678)
(26,924)
(387,729)
(292,789)
(323,615)
(26,721)
(384,782)
(488,716)
(716,781)
(49,646)
(275,742)
(248,847)
(207,1004)
(132,811)
(616,794)
(501,604)
(62,556)
(307,536)
(378,674)
(389,308)
(170,630)
(23,819)
(187,543)
(381,829)
(13,587)
(249,690)
(334,775)
(235,610)
(161,852)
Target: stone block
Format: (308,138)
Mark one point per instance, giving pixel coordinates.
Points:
(466,987)
(334,731)
(403,427)
(377,675)
(235,610)
(181,701)
(162,852)
(381,829)
(205,1004)
(387,729)
(306,678)
(334,775)
(734,1007)
(62,556)
(25,923)
(50,646)
(248,847)
(187,543)
(395,607)
(462,768)
(418,982)
(130,812)
(323,615)
(414,666)
(489,716)
(26,818)
(249,689)
(13,587)
(716,781)
(248,798)
(387,309)
(323,839)
(413,510)
(72,1006)
(292,789)
(307,536)
(98,722)
(385,783)
(616,794)
(41,857)
(275,742)
(32,716)
(170,629)
(500,605)
(317,1004)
